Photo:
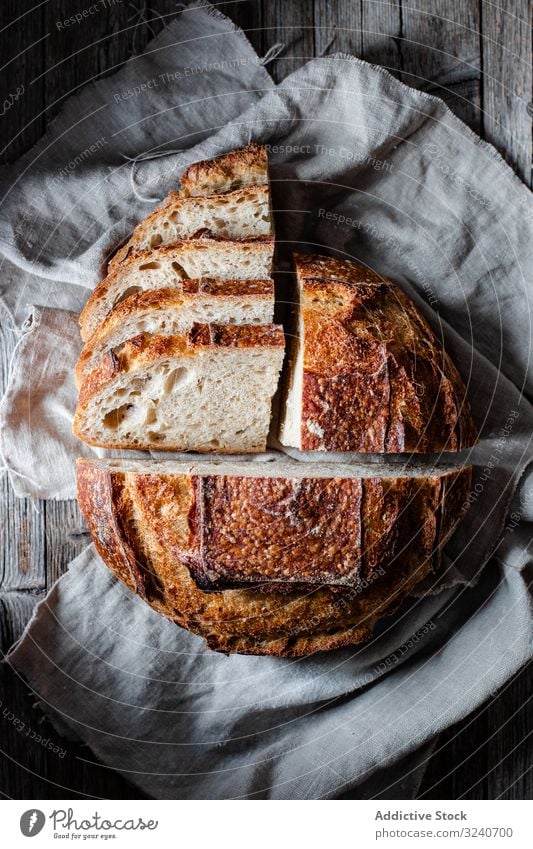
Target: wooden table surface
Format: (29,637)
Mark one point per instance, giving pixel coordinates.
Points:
(477,57)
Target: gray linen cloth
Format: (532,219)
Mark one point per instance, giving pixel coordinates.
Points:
(364,167)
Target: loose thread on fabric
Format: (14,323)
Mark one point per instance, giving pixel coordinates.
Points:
(145,157)
(329,44)
(273,53)
(140,19)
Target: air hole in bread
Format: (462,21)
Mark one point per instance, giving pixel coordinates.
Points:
(219,222)
(151,416)
(180,271)
(154,436)
(114,418)
(131,290)
(156,240)
(149,266)
(175,377)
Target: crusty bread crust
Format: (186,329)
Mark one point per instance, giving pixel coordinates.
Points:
(145,349)
(148,529)
(175,204)
(375,377)
(132,258)
(227,172)
(160,299)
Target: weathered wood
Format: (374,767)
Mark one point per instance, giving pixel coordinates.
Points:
(507,81)
(488,754)
(338,28)
(292,25)
(21,96)
(382,31)
(66,537)
(440,53)
(248,16)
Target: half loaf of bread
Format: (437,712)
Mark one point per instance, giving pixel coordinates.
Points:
(207,390)
(170,311)
(168,267)
(274,557)
(367,372)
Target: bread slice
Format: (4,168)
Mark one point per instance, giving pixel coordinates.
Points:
(226,173)
(169,266)
(241,214)
(312,554)
(208,390)
(367,374)
(169,311)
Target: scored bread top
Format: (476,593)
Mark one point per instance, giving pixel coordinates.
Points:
(375,377)
(144,525)
(145,349)
(227,172)
(308,532)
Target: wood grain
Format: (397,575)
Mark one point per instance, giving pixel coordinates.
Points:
(507,65)
(477,57)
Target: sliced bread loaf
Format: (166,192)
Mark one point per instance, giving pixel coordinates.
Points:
(240,214)
(169,266)
(225,173)
(169,311)
(208,390)
(367,374)
(312,554)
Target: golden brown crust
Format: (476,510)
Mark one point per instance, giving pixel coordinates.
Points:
(375,377)
(132,257)
(161,299)
(145,349)
(175,204)
(231,170)
(203,239)
(315,266)
(145,527)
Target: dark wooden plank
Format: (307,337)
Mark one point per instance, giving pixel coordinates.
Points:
(435,48)
(80,53)
(382,31)
(488,754)
(338,28)
(247,14)
(21,98)
(292,25)
(507,82)
(440,53)
(66,537)
(440,41)
(464,99)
